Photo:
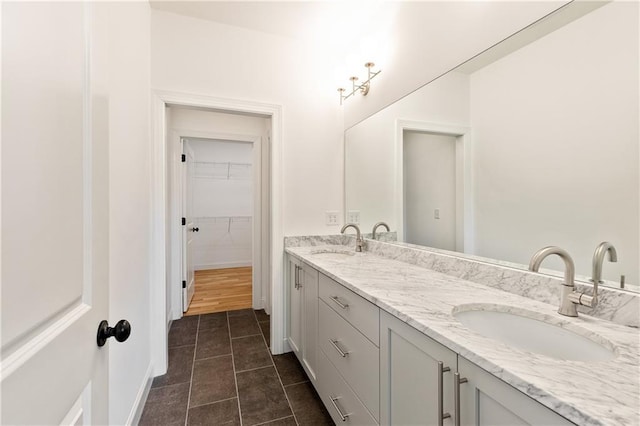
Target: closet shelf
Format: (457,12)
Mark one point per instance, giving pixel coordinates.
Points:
(222,170)
(223,218)
(228,220)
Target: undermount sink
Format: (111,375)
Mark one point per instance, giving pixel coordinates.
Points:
(333,254)
(534,332)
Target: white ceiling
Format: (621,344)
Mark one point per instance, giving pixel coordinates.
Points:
(298,19)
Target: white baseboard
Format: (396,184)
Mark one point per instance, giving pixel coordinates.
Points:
(141,398)
(285,347)
(239,264)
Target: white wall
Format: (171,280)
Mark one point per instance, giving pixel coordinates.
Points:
(426,39)
(129,205)
(370,146)
(192,55)
(535,175)
(429,168)
(222,206)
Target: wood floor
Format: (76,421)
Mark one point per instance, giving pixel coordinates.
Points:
(219,290)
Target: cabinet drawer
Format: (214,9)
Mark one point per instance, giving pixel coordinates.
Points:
(338,397)
(363,315)
(353,355)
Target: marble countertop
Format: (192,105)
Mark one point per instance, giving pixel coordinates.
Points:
(587,393)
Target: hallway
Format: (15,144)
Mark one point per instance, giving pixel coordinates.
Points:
(221,372)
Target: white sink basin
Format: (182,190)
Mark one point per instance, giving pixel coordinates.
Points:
(535,332)
(333,254)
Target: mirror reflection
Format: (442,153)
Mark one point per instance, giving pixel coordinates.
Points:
(533,143)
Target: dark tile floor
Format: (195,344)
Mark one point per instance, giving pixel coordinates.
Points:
(221,372)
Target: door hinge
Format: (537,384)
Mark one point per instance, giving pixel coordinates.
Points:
(184,221)
(184,284)
(183,158)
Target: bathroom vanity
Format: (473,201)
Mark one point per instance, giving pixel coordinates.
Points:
(395,342)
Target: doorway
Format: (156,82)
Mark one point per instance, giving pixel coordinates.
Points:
(430,189)
(218,169)
(162,309)
(221,185)
(426,140)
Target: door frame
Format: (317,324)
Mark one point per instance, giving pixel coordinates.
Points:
(158,183)
(260,210)
(464,177)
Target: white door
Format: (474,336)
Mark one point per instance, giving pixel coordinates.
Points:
(188,275)
(54,213)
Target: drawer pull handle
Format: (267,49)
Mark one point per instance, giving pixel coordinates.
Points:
(342,353)
(456,395)
(300,277)
(338,302)
(441,414)
(334,400)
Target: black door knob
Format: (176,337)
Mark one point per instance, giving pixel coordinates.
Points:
(195,229)
(121,331)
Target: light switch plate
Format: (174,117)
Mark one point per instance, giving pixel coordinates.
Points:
(353,216)
(331,218)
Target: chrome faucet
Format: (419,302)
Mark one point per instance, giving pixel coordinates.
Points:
(358,236)
(373,233)
(598,259)
(569,298)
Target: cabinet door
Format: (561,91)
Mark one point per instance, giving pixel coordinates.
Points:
(310,319)
(295,305)
(486,400)
(410,382)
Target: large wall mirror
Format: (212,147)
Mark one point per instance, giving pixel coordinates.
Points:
(533,143)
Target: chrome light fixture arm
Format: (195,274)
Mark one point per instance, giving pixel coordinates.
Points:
(362,88)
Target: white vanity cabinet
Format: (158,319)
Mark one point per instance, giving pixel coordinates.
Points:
(486,400)
(303,314)
(370,368)
(349,380)
(294,293)
(416,386)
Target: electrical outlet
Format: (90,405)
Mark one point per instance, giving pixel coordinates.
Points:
(331,218)
(436,214)
(353,216)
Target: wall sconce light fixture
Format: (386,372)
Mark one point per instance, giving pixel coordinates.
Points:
(363,88)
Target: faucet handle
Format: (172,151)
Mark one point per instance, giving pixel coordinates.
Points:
(583,299)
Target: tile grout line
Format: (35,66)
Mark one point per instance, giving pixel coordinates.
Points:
(215,356)
(233,365)
(214,402)
(274,420)
(193,367)
(278,373)
(257,368)
(297,383)
(248,335)
(177,347)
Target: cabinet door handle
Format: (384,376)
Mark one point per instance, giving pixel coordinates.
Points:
(441,414)
(334,400)
(342,353)
(456,395)
(298,269)
(338,302)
